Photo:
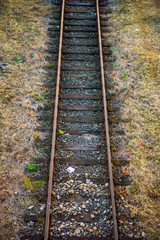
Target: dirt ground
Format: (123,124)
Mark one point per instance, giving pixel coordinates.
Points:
(26,114)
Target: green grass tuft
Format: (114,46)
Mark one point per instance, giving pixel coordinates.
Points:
(32,168)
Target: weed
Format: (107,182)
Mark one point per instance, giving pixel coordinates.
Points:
(19,59)
(22,203)
(113,149)
(32,168)
(105,150)
(113,49)
(46,55)
(116,64)
(70,211)
(125,78)
(124,89)
(61,132)
(3,222)
(44,149)
(124,72)
(69,155)
(51,65)
(124,75)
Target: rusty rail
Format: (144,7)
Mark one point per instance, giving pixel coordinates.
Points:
(107,126)
(47,221)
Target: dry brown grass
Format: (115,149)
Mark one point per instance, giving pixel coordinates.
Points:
(23,36)
(136,79)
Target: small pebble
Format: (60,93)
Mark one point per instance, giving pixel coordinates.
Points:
(136,236)
(77,231)
(86,175)
(143,234)
(31,223)
(96,233)
(71,191)
(130,235)
(30,207)
(42,207)
(82,224)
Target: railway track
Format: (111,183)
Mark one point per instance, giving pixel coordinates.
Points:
(81,204)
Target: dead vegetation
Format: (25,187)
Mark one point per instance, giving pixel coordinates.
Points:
(136,75)
(23,36)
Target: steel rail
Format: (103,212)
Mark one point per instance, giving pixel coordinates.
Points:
(107,125)
(48,207)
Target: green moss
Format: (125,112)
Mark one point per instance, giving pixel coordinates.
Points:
(32,185)
(39,183)
(28,184)
(36,97)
